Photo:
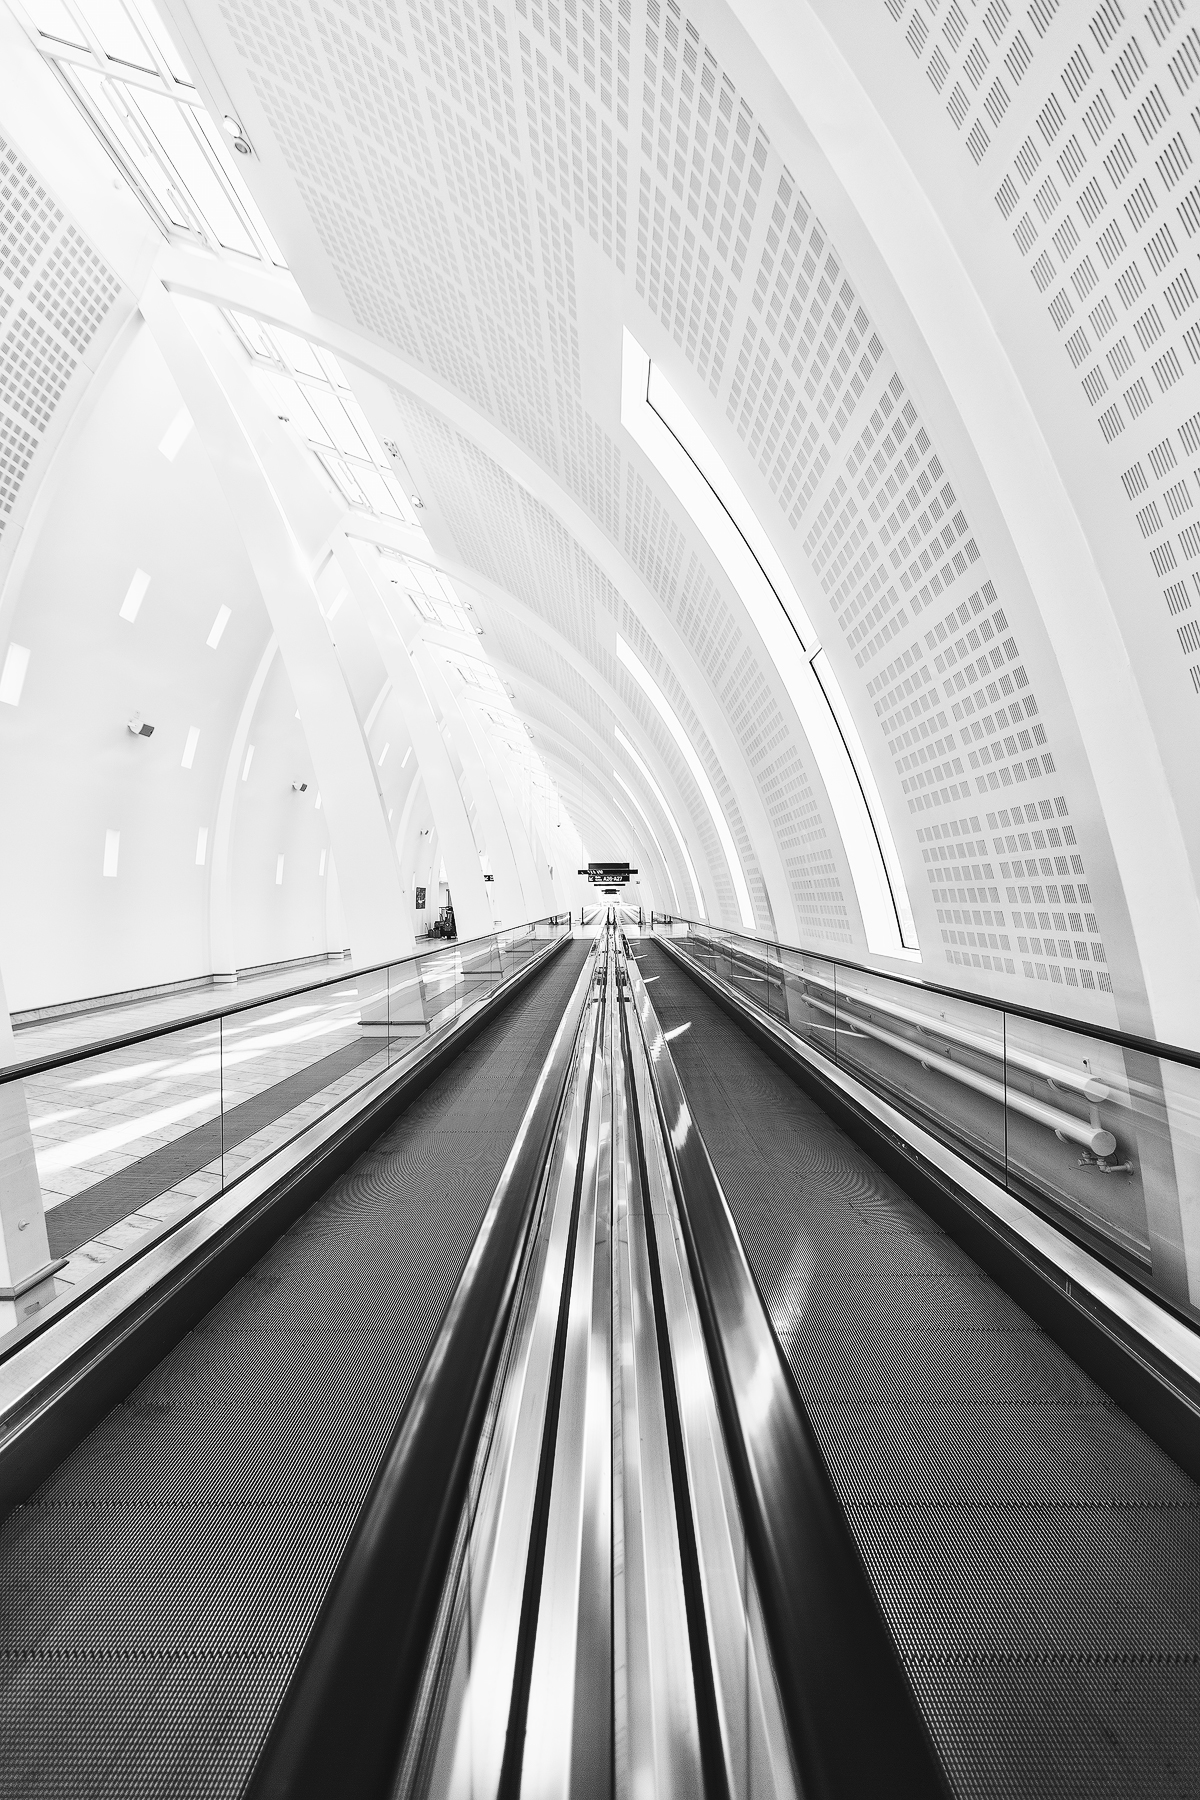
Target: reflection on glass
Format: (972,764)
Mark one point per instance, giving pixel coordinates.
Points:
(1099,1134)
(124,1143)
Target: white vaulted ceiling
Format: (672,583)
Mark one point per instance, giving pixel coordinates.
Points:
(926,281)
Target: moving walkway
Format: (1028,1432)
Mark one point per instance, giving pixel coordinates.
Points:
(613,1424)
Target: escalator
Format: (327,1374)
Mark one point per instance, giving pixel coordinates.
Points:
(157,1592)
(614,1427)
(1035,1555)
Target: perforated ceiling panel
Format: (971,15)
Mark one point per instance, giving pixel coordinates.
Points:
(498,187)
(1096,173)
(54,294)
(821,407)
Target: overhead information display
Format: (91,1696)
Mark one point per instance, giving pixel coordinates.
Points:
(608,874)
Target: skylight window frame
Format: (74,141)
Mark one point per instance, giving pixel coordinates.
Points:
(681,451)
(267,346)
(161,81)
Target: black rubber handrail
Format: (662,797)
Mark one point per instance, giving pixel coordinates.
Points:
(343,1721)
(852,1719)
(1123,1040)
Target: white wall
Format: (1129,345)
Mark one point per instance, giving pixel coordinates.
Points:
(72,771)
(276,920)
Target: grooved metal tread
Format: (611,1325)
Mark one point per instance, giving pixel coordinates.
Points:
(1036,1556)
(156,1592)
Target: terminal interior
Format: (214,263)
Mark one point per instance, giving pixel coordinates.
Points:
(600,899)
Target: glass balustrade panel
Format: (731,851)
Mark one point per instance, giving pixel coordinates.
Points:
(125,1142)
(807,999)
(1106,1140)
(287,1062)
(935,1056)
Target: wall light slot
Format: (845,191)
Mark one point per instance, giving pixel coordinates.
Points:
(407,754)
(383,755)
(189,749)
(201,846)
(112,852)
(134,596)
(279,872)
(12,680)
(321,867)
(248,761)
(175,436)
(218,627)
(662,425)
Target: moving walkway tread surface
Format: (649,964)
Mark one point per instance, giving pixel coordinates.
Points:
(1035,1555)
(156,1592)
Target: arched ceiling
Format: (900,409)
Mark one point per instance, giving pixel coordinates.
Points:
(814,220)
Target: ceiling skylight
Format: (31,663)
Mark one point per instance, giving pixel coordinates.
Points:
(687,750)
(539,803)
(124,72)
(307,386)
(431,593)
(678,447)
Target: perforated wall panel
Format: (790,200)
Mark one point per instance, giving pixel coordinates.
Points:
(1085,129)
(54,295)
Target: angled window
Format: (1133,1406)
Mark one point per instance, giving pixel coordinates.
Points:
(307,387)
(683,454)
(122,68)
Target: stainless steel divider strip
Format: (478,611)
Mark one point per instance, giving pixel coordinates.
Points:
(461,1720)
(656,1729)
(572,1659)
(753,1731)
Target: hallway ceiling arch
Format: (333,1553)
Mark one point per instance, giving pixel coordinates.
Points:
(481,199)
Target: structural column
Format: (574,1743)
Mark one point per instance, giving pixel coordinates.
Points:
(24,1247)
(518,898)
(459,851)
(280,509)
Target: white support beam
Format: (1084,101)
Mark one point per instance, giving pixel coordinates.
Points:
(459,850)
(282,517)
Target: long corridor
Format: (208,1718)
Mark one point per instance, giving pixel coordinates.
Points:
(1010,1567)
